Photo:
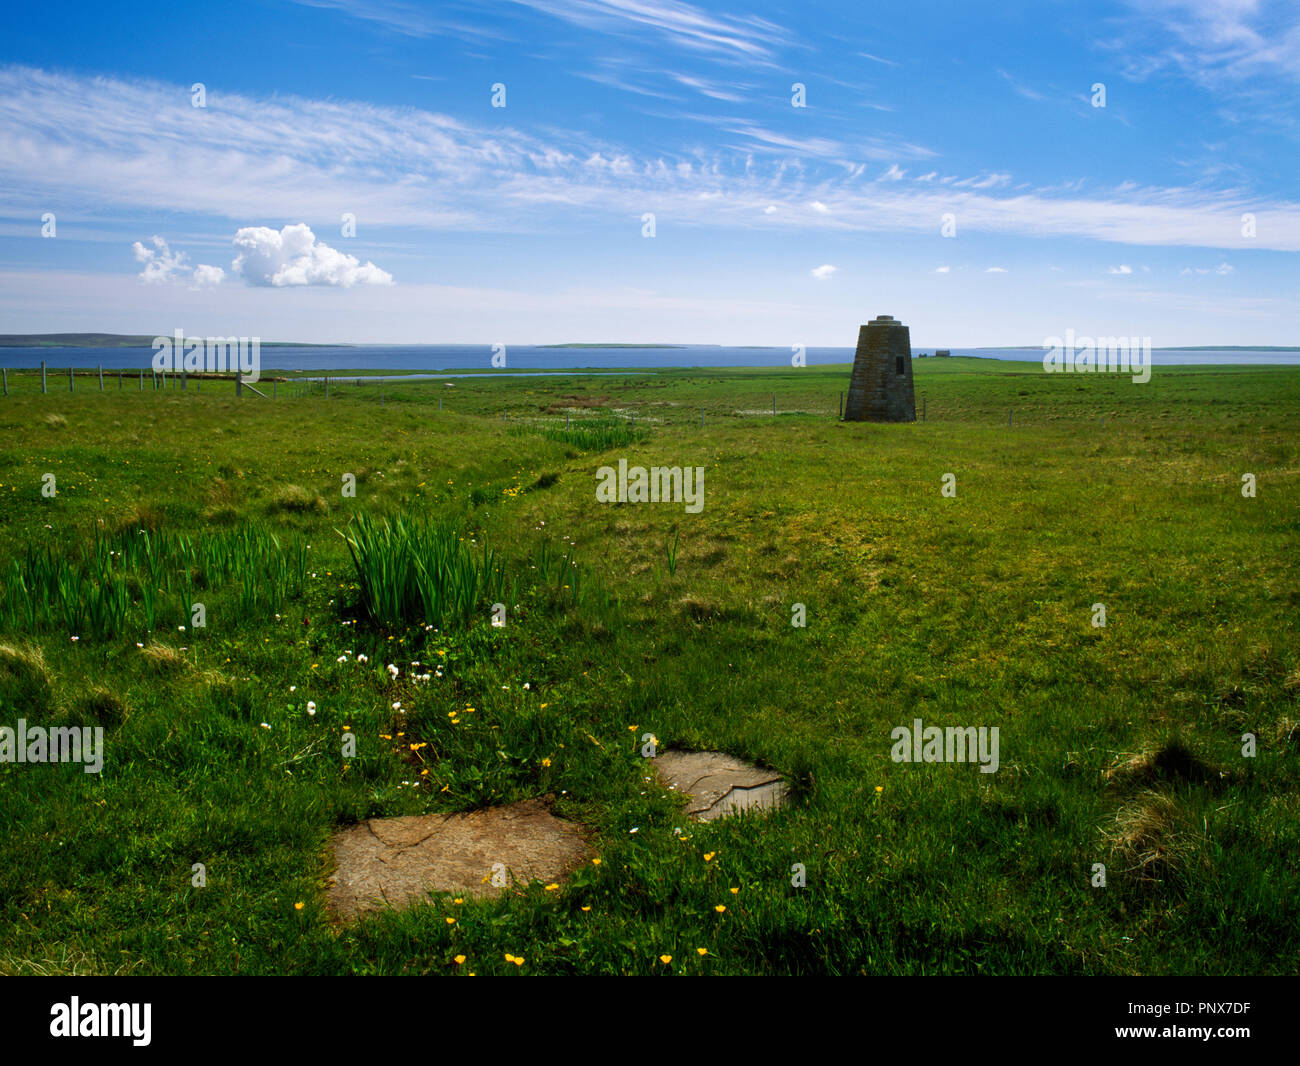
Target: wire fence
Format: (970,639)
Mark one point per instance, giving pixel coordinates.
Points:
(497,403)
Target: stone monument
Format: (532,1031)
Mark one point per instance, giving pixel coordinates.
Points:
(880,389)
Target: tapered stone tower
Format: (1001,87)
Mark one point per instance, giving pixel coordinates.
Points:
(880,389)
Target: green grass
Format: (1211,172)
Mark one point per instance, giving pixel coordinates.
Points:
(624,619)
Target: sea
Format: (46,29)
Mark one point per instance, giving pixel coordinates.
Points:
(459,359)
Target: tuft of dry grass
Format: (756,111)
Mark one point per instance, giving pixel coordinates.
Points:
(25,681)
(55,421)
(1153,843)
(1172,761)
(104,706)
(163,659)
(221,505)
(698,608)
(296,499)
(142,515)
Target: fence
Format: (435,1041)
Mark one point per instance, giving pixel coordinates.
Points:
(770,405)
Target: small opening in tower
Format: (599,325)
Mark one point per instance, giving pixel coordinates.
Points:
(898,363)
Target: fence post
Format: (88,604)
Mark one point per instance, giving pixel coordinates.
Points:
(6,376)
(184,379)
(566,419)
(239,383)
(841,406)
(69,379)
(1008,416)
(101,377)
(773,405)
(43,388)
(922,407)
(119,381)
(701,418)
(142,380)
(327,386)
(274,383)
(439,403)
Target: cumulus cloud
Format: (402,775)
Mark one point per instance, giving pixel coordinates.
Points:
(162,265)
(942,269)
(823,272)
(996,270)
(1123,268)
(293,256)
(820,207)
(208,275)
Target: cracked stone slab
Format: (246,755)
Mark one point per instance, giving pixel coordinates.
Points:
(395,862)
(717,784)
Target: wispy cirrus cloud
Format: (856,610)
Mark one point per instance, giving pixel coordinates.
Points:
(738,37)
(140,146)
(1218,43)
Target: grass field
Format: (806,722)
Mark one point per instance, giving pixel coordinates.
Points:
(1121,745)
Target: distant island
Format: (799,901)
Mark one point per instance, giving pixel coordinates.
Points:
(576,345)
(1165,348)
(115,340)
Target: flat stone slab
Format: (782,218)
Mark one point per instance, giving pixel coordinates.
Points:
(394,862)
(717,784)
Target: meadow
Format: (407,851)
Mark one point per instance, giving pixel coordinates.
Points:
(1121,744)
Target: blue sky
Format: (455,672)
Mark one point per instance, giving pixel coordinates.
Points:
(773,224)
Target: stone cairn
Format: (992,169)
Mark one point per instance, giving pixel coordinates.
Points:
(880,389)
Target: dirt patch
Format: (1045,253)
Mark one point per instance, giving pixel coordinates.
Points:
(574,403)
(717,784)
(394,862)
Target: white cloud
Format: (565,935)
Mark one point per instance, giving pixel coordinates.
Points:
(943,270)
(1123,268)
(893,173)
(996,270)
(820,207)
(162,265)
(770,209)
(1223,270)
(208,275)
(293,256)
(823,272)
